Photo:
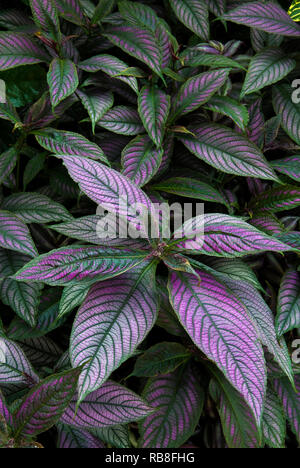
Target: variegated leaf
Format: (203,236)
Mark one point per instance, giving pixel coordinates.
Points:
(274,424)
(114,319)
(154,107)
(14,365)
(62,80)
(227,151)
(194,15)
(288,109)
(123,120)
(289,166)
(231,108)
(8,161)
(141,160)
(45,16)
(35,208)
(18,49)
(96,104)
(281,198)
(109,406)
(290,398)
(178,399)
(70,143)
(14,234)
(288,307)
(72,438)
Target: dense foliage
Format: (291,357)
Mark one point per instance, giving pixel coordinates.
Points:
(151,340)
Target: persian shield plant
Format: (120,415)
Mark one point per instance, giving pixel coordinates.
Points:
(149,224)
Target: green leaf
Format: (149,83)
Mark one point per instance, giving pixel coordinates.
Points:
(8,161)
(154,107)
(231,108)
(288,110)
(273,422)
(194,15)
(96,104)
(103,9)
(160,359)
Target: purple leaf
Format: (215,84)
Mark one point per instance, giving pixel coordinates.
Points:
(71,10)
(269,225)
(45,15)
(8,161)
(266,68)
(288,307)
(70,265)
(139,42)
(43,406)
(226,236)
(154,107)
(288,110)
(141,160)
(14,365)
(194,15)
(227,151)
(69,143)
(209,310)
(96,104)
(18,49)
(266,16)
(123,120)
(62,80)
(197,91)
(111,405)
(35,208)
(14,234)
(178,400)
(231,108)
(289,166)
(256,123)
(70,438)
(291,402)
(110,65)
(281,198)
(114,319)
(110,189)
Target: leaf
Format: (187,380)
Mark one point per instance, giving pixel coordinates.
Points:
(266,16)
(70,143)
(62,79)
(87,230)
(289,166)
(191,188)
(43,406)
(72,297)
(35,208)
(263,319)
(103,9)
(274,425)
(114,319)
(110,189)
(239,427)
(138,42)
(231,108)
(160,359)
(280,198)
(41,351)
(14,365)
(227,151)
(197,91)
(209,308)
(110,65)
(154,107)
(18,49)
(23,298)
(291,402)
(294,10)
(217,8)
(5,413)
(288,110)
(123,120)
(194,15)
(71,10)
(210,60)
(141,160)
(8,111)
(96,104)
(14,234)
(266,68)
(70,438)
(45,16)
(117,436)
(178,400)
(109,406)
(288,307)
(69,265)
(8,161)
(32,169)
(221,235)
